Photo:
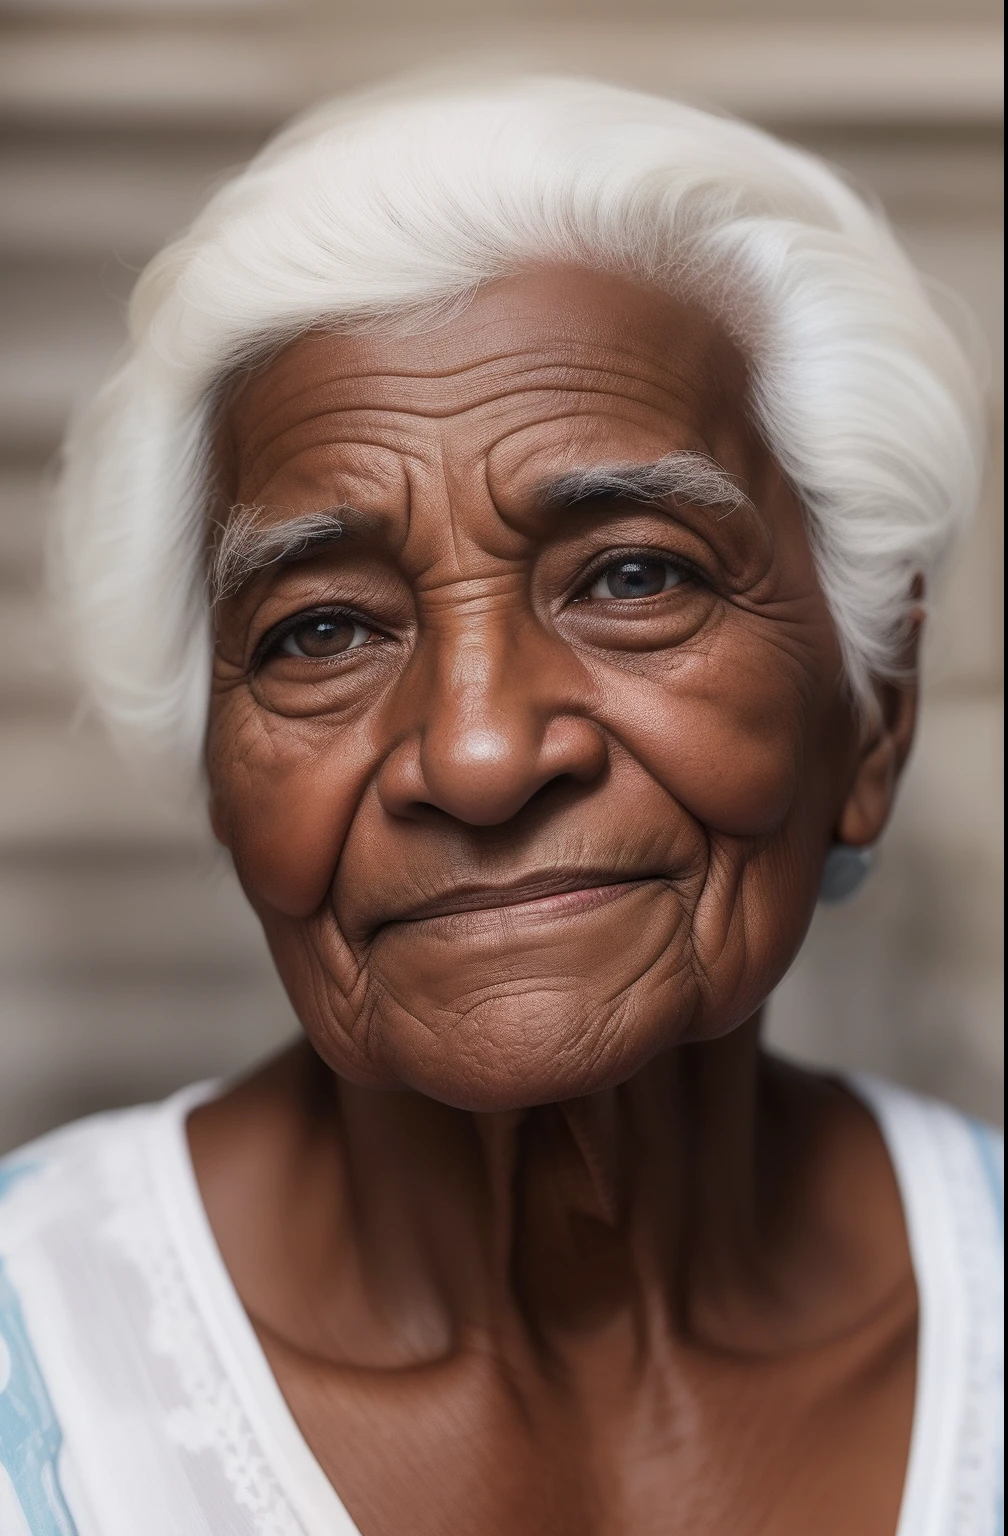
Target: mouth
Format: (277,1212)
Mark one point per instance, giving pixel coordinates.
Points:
(553,894)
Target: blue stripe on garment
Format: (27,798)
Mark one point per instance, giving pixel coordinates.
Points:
(990,1149)
(30,1435)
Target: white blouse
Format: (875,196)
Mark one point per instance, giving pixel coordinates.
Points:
(135,1398)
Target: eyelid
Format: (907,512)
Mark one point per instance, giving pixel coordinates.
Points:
(611,557)
(274,637)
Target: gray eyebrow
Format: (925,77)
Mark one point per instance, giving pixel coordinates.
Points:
(689,477)
(245,544)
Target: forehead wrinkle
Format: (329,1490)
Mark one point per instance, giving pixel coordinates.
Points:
(543,391)
(554,408)
(560,353)
(352,469)
(560,377)
(513,483)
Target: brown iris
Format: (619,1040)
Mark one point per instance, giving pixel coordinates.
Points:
(326,635)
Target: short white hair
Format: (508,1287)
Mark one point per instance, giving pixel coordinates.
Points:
(394,206)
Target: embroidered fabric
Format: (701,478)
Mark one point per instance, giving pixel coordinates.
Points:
(210,1417)
(159,1427)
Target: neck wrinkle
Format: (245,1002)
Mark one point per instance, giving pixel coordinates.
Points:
(562,1218)
(618,1204)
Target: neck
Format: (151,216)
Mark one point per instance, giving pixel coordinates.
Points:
(643,1206)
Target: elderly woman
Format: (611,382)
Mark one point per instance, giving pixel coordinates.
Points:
(516,509)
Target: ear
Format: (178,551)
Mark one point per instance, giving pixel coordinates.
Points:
(884,748)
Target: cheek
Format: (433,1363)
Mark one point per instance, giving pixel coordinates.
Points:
(285,792)
(731,756)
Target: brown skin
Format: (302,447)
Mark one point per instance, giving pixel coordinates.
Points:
(534,1236)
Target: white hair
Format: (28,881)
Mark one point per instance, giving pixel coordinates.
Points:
(394,206)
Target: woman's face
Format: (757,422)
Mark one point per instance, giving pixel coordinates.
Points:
(528,777)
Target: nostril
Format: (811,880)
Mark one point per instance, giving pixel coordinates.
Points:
(563,787)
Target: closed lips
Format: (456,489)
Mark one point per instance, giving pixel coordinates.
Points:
(592,886)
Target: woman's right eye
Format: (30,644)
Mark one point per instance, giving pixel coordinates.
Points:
(323,636)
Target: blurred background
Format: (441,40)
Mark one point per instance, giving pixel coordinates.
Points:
(128,963)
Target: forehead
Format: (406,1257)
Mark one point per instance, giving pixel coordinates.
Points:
(538,371)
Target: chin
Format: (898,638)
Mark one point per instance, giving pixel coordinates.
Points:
(534,1045)
(509,1009)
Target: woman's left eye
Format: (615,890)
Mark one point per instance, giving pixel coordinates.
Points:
(325,635)
(635,576)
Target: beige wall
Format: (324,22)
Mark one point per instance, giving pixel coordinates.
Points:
(128,962)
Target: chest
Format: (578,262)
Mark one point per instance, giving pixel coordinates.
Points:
(699,1444)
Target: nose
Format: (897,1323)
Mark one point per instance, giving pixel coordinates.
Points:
(496,715)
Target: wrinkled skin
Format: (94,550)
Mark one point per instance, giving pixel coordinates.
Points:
(532,803)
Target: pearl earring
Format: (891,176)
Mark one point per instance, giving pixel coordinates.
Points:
(844,872)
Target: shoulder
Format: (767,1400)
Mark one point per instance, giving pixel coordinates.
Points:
(950,1171)
(54,1195)
(75,1201)
(67,1180)
(61,1173)
(85,1191)
(939,1153)
(78,1208)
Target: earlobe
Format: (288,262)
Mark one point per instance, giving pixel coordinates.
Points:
(870,798)
(844,872)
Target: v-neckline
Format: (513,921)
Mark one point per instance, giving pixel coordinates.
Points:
(940,1347)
